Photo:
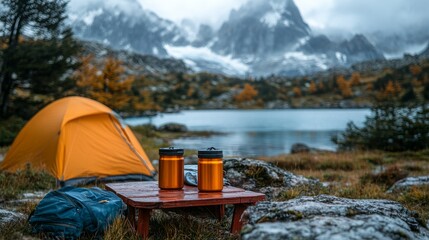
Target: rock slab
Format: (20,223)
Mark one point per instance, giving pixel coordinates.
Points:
(329,217)
(7,216)
(409,182)
(261,176)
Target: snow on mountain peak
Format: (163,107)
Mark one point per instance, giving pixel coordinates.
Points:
(271,18)
(277,8)
(203,58)
(88,19)
(278,5)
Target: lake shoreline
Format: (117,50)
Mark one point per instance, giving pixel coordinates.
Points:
(156,113)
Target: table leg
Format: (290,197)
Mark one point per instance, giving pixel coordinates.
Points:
(236,217)
(220,212)
(143,222)
(131,215)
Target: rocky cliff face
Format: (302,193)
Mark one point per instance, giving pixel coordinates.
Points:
(260,29)
(135,63)
(359,49)
(272,37)
(138,30)
(205,36)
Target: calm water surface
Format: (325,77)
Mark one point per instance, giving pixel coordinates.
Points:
(250,133)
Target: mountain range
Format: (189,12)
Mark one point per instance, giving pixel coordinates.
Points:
(260,38)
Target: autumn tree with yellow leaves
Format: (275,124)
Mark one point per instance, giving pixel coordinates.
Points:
(247,94)
(344,87)
(355,79)
(320,86)
(110,85)
(392,89)
(415,69)
(147,103)
(312,88)
(297,92)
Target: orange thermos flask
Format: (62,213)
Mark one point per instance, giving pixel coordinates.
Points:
(210,170)
(171,168)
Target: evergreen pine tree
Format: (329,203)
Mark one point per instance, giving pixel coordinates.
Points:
(37,48)
(426,92)
(409,95)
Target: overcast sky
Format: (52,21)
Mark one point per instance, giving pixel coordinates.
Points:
(325,15)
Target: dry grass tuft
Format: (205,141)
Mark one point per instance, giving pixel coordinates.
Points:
(173,226)
(319,162)
(121,229)
(15,230)
(417,199)
(387,178)
(13,184)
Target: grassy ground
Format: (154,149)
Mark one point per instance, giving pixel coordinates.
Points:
(361,175)
(351,174)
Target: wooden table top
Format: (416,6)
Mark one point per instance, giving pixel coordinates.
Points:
(148,195)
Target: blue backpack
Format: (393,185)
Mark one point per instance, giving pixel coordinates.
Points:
(68,212)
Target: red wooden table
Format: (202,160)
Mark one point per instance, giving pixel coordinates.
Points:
(146,196)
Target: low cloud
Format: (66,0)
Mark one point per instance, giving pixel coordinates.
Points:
(389,16)
(212,12)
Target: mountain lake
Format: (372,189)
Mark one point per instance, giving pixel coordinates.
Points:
(252,133)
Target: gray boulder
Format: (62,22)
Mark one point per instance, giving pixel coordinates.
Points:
(173,127)
(30,197)
(299,148)
(261,176)
(192,159)
(303,148)
(406,183)
(7,216)
(329,217)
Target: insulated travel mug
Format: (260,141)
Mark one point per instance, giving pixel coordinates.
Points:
(210,170)
(171,168)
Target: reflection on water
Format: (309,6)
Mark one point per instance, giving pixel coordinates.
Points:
(250,133)
(251,144)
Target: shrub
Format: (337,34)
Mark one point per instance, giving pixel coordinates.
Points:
(386,178)
(147,130)
(391,127)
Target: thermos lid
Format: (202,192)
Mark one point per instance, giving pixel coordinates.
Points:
(171,151)
(210,153)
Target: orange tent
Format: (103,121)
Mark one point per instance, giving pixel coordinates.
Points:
(78,139)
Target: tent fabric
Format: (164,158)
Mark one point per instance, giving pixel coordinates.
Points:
(76,137)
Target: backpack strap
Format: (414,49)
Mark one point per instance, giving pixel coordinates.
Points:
(82,204)
(93,217)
